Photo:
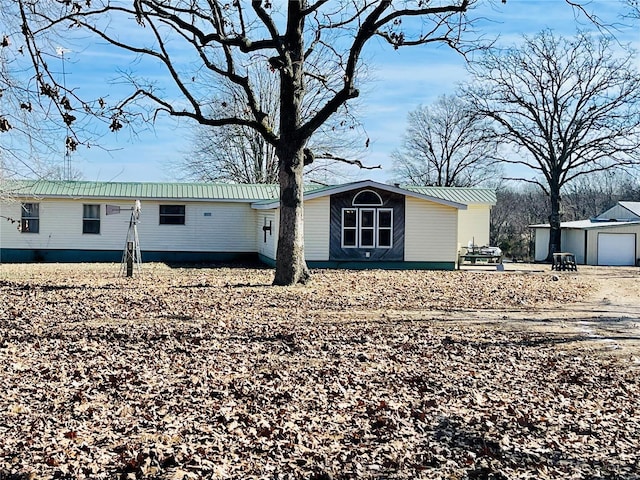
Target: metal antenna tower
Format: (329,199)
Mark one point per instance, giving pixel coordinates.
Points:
(67,152)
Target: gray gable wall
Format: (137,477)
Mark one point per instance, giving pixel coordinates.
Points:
(622,211)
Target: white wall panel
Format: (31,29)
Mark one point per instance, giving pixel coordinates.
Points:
(473,224)
(267,243)
(230,227)
(431,232)
(316,229)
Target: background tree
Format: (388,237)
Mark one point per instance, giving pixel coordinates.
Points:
(567,107)
(588,196)
(18,140)
(517,207)
(35,139)
(446,144)
(236,154)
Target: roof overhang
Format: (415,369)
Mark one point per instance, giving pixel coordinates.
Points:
(587,225)
(144,191)
(326,191)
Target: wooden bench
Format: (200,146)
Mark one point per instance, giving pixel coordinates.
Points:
(564,261)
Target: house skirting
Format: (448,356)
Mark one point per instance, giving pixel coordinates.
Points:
(366,265)
(24,255)
(19,255)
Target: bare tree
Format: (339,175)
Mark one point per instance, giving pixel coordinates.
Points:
(308,45)
(35,141)
(236,154)
(17,138)
(517,207)
(567,107)
(589,196)
(446,145)
(240,154)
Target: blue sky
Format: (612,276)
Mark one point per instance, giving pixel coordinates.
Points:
(403,79)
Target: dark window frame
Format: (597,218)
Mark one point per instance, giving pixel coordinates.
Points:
(171,214)
(91,219)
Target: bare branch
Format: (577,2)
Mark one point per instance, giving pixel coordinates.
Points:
(358,163)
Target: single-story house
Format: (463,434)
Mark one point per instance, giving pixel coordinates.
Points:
(357,225)
(611,238)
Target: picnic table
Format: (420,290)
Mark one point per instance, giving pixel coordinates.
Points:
(480,259)
(564,261)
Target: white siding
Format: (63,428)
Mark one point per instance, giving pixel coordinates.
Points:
(61,227)
(230,227)
(572,240)
(431,232)
(267,244)
(473,224)
(542,244)
(592,240)
(316,229)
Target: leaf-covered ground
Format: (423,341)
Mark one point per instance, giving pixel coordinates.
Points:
(212,373)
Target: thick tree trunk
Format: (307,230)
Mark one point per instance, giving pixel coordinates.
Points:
(291,267)
(555,233)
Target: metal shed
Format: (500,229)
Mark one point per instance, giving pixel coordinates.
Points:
(594,242)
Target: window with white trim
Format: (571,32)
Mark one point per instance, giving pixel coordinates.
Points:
(366,224)
(30,220)
(349,227)
(91,219)
(367,198)
(367,227)
(384,232)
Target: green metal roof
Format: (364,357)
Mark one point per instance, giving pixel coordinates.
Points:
(262,193)
(131,190)
(466,195)
(453,196)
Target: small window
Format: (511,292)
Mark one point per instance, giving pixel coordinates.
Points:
(385,228)
(30,222)
(91,219)
(366,197)
(349,227)
(171,214)
(367,228)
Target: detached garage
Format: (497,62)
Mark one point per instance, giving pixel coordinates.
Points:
(612,238)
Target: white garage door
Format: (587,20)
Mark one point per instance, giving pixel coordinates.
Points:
(616,249)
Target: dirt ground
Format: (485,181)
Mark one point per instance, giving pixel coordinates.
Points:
(607,319)
(212,373)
